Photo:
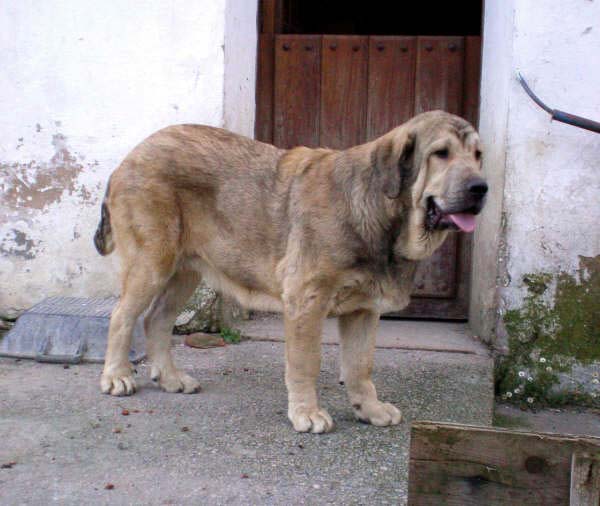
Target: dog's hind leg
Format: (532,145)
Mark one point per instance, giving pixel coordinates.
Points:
(357,339)
(158,325)
(141,281)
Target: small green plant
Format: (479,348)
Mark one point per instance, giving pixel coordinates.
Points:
(231,336)
(556,327)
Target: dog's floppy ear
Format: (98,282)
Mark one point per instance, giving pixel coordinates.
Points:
(393,161)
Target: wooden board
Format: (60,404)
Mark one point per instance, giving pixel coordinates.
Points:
(457,465)
(391,92)
(343,91)
(263,128)
(297,90)
(472,79)
(585,479)
(436,276)
(439,74)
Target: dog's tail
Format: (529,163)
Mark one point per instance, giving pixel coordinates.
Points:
(103,237)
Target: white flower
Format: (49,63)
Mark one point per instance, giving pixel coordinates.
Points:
(542,360)
(530,378)
(530,400)
(595,381)
(521,374)
(517,390)
(509,394)
(593,394)
(549,369)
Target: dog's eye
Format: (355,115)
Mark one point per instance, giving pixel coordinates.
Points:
(441,153)
(477,154)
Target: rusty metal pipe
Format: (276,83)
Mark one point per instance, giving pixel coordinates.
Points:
(563,117)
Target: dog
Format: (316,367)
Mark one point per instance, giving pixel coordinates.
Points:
(308,232)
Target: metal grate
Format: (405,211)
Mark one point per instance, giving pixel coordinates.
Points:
(67,330)
(75,306)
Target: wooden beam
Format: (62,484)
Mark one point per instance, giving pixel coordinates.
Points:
(585,479)
(453,464)
(271,16)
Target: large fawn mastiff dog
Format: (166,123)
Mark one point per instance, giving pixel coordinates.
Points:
(308,232)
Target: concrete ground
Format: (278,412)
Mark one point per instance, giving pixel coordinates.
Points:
(61,441)
(567,420)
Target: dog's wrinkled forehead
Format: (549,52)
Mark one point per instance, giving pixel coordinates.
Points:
(446,125)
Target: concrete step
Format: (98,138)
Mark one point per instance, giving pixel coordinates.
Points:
(448,337)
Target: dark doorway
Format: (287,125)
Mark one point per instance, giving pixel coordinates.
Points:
(380,17)
(337,74)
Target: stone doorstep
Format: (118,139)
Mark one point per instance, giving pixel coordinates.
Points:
(448,337)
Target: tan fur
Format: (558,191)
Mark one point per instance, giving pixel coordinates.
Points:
(309,232)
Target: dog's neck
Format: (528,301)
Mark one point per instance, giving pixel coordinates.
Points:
(376,219)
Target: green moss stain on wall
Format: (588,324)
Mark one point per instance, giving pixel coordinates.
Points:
(547,335)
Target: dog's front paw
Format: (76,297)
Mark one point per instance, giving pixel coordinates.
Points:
(118,381)
(313,420)
(175,381)
(377,413)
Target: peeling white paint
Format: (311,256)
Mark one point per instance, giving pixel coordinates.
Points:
(82,83)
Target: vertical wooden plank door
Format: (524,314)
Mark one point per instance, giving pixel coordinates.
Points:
(337,91)
(297,90)
(391,83)
(343,91)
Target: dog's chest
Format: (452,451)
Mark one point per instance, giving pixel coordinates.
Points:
(382,292)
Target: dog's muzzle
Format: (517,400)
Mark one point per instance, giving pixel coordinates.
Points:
(459,216)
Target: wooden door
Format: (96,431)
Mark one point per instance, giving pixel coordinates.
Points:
(337,91)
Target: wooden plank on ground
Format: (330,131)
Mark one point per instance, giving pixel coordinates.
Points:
(297,90)
(585,479)
(458,465)
(391,92)
(344,90)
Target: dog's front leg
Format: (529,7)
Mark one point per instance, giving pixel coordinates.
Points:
(358,331)
(304,312)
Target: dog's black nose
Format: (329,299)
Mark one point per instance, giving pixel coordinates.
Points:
(477,187)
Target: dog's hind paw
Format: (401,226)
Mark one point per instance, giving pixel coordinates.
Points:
(377,413)
(118,383)
(314,420)
(175,382)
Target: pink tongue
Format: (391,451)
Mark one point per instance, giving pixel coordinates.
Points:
(466,222)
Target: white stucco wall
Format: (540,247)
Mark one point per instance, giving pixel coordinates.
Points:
(549,172)
(240,65)
(496,76)
(82,83)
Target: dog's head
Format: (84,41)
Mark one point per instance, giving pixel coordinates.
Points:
(432,166)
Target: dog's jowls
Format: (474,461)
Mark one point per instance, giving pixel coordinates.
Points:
(308,232)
